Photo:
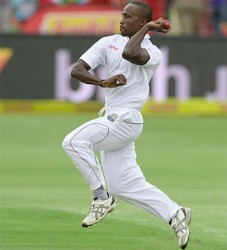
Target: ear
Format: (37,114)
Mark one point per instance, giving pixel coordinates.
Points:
(143,21)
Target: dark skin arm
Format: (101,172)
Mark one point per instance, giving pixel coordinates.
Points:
(80,72)
(133,52)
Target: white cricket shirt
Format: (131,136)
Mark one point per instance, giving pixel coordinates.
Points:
(108,52)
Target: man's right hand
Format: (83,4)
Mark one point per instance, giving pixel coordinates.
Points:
(114,81)
(157,25)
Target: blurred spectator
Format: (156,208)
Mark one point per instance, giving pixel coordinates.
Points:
(71,1)
(5,16)
(44,3)
(186,15)
(24,9)
(219,16)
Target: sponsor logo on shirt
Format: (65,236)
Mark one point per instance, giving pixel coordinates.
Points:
(112,47)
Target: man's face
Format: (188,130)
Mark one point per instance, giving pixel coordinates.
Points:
(132,20)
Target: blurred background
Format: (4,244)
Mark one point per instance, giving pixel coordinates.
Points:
(196,17)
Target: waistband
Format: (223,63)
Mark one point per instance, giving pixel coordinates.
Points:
(112,109)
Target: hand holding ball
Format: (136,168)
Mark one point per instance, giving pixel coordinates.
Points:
(166,24)
(160,25)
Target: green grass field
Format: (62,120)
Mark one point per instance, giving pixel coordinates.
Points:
(43,198)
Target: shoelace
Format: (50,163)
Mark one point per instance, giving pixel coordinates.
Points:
(98,209)
(178,225)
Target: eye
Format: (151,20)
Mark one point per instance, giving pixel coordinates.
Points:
(126,16)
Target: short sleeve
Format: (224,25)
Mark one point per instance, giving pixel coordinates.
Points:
(155,57)
(95,55)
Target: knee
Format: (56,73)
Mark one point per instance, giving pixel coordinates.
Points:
(66,143)
(69,144)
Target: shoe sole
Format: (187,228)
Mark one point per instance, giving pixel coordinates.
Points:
(109,210)
(188,221)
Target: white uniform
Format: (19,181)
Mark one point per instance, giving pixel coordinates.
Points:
(114,133)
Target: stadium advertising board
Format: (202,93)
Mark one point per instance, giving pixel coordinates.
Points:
(74,20)
(39,67)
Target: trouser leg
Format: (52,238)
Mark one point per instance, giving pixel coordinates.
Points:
(126,180)
(98,134)
(79,145)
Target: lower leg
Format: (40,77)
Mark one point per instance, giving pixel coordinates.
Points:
(146,196)
(126,180)
(100,193)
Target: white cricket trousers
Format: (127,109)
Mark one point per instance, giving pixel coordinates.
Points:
(114,135)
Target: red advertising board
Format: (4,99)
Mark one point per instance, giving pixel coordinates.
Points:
(74,20)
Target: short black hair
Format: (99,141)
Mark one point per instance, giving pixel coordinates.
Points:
(146,7)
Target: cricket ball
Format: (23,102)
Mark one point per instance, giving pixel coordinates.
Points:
(166,24)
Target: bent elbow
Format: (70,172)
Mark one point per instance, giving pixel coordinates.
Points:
(126,55)
(75,71)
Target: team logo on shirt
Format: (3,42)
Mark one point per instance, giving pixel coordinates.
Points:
(112,117)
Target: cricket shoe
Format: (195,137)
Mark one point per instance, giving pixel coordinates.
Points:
(180,225)
(98,210)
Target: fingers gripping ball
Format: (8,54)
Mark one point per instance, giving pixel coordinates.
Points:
(166,24)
